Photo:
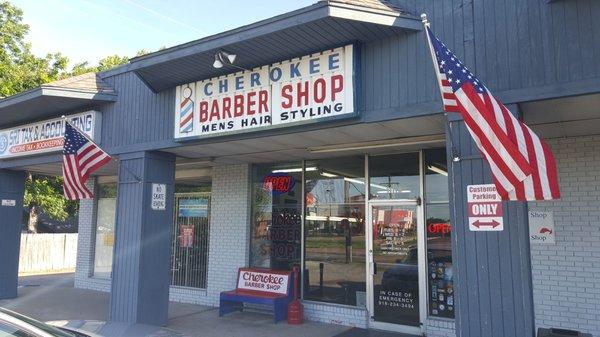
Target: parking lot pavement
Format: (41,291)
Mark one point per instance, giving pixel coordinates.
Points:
(53,298)
(244,324)
(55,280)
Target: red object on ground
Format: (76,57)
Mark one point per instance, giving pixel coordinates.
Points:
(295,308)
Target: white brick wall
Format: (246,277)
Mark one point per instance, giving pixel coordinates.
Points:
(85,245)
(566,275)
(229,228)
(335,314)
(440,328)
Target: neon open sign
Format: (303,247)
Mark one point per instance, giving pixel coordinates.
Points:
(279,183)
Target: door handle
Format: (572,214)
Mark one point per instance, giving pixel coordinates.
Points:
(374,268)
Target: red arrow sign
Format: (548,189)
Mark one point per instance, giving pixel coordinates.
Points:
(492,224)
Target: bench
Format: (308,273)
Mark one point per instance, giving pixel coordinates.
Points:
(259,286)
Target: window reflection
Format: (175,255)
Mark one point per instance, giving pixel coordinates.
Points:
(276,216)
(335,231)
(105,229)
(436,176)
(395,176)
(439,232)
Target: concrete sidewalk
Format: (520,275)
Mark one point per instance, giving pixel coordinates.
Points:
(53,298)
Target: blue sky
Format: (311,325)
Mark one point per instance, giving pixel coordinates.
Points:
(87,30)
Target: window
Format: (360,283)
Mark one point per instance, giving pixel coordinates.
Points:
(276,216)
(439,230)
(334,269)
(395,176)
(335,231)
(105,229)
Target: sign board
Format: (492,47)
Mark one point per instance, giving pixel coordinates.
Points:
(186,236)
(541,227)
(279,183)
(307,89)
(159,197)
(484,208)
(46,136)
(9,202)
(193,208)
(263,280)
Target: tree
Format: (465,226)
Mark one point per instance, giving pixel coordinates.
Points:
(45,193)
(106,63)
(20,70)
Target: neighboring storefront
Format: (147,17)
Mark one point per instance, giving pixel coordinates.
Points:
(325,147)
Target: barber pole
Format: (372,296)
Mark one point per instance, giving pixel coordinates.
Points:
(186,111)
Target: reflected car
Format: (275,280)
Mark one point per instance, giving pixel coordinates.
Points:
(404,274)
(17,325)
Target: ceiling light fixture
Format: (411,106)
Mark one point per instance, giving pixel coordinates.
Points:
(379,144)
(195,162)
(295,169)
(437,170)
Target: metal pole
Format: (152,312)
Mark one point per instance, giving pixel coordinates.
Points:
(302,230)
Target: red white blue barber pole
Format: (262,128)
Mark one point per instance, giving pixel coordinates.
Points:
(186,111)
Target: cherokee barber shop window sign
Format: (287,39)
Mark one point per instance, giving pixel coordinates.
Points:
(302,90)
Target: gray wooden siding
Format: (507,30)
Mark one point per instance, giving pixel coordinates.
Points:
(140,279)
(138,116)
(492,270)
(515,46)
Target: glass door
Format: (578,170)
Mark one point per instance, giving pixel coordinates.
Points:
(396,297)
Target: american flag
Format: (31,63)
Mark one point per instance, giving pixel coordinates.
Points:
(522,164)
(81,157)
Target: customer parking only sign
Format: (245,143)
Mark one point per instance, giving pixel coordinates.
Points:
(484,207)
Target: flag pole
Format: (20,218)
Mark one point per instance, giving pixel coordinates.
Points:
(427,24)
(139,180)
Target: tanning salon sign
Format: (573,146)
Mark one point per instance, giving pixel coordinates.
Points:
(301,90)
(45,136)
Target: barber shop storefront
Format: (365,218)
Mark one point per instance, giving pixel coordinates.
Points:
(316,140)
(360,228)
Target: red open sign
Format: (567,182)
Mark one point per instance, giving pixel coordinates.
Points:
(279,183)
(437,228)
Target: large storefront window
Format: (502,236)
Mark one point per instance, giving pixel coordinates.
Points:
(439,230)
(335,231)
(276,216)
(189,254)
(105,229)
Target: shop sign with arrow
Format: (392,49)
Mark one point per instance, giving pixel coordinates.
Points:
(484,207)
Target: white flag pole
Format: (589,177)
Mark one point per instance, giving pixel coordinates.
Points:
(436,67)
